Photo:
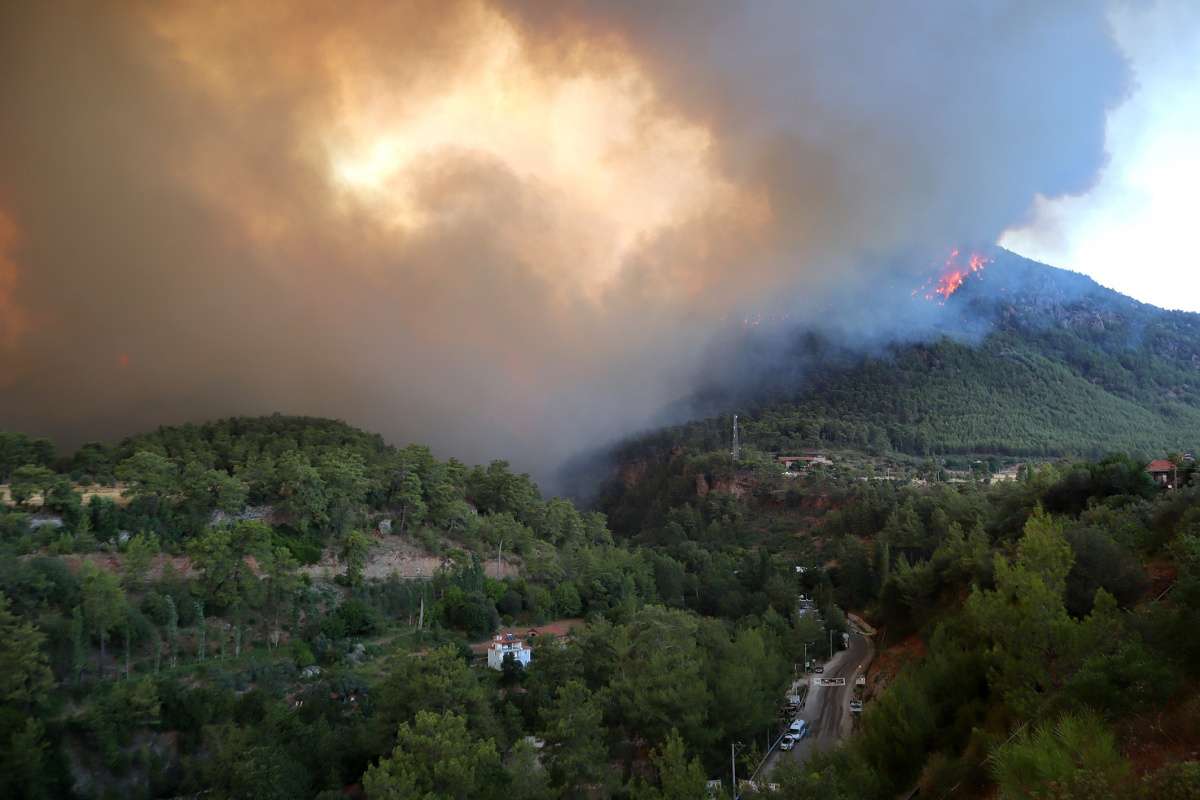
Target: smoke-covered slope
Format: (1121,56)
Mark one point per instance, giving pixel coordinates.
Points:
(1023,359)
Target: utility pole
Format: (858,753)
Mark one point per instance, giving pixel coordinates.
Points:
(733,764)
(736,450)
(830,644)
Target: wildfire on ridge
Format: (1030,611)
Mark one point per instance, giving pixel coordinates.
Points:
(956,269)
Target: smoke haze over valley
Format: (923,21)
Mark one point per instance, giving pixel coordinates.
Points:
(605,399)
(508,229)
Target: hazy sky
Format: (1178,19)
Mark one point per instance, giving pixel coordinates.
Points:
(1135,230)
(514,227)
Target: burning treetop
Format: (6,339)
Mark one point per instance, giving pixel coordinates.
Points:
(956,269)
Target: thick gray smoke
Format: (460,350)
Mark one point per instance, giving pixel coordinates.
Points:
(285,207)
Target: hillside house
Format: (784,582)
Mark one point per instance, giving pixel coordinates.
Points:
(958,475)
(1165,473)
(1007,474)
(802,463)
(505,644)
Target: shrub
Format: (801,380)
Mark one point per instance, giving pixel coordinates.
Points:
(302,654)
(357,618)
(1078,753)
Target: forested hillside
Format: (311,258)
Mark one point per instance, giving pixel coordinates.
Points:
(1053,614)
(164,637)
(1039,631)
(1042,624)
(1023,360)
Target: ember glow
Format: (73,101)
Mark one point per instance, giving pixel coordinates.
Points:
(955,270)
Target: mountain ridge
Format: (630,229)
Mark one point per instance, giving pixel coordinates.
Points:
(1023,359)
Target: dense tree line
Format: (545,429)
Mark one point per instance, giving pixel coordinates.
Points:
(1045,644)
(1005,396)
(197,655)
(157,611)
(1024,361)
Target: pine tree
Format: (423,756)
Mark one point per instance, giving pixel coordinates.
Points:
(103,604)
(412,507)
(201,629)
(25,678)
(78,646)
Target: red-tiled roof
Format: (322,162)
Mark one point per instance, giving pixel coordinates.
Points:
(1160,465)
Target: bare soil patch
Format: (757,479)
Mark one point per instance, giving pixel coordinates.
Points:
(401,556)
(114,493)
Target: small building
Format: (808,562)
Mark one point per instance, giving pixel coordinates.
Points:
(1165,473)
(504,644)
(1008,474)
(45,521)
(958,475)
(803,463)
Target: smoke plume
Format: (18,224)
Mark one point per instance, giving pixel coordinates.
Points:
(508,229)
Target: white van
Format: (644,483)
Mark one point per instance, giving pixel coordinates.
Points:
(799,727)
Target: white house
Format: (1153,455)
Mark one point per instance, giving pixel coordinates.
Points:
(502,645)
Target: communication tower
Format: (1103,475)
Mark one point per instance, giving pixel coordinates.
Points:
(736,450)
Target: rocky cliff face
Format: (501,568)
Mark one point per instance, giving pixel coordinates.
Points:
(632,473)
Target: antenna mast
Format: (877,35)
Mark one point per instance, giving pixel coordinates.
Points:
(736,450)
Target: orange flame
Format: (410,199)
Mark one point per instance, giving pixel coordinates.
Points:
(954,274)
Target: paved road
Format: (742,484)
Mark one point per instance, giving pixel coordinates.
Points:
(827,708)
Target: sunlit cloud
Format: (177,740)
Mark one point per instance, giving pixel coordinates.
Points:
(595,141)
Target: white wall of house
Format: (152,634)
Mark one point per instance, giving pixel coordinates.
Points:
(501,646)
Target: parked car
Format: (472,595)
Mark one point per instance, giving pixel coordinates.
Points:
(788,743)
(798,727)
(856,706)
(818,669)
